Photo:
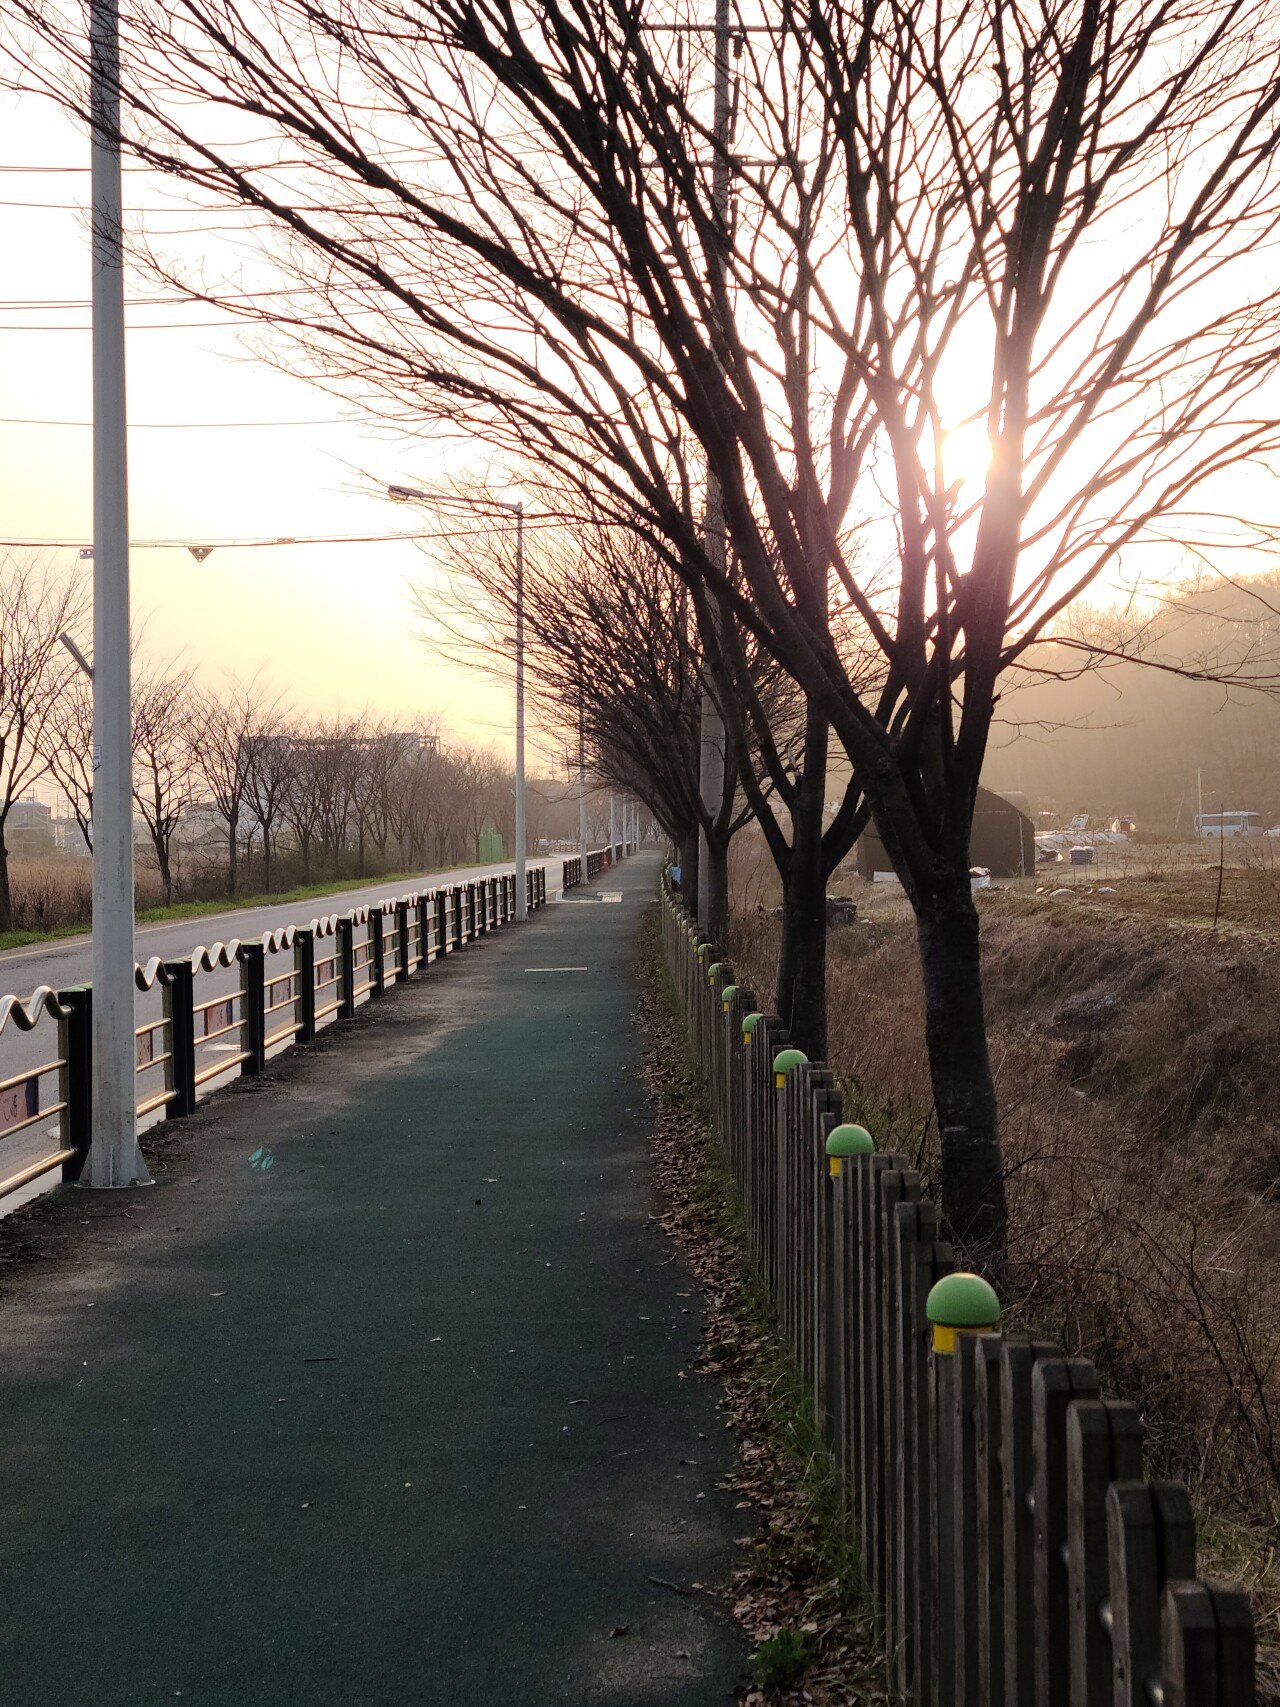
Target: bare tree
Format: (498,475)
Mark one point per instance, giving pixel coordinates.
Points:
(164,762)
(226,723)
(67,746)
(36,606)
(269,782)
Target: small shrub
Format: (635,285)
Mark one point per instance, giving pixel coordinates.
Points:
(781,1661)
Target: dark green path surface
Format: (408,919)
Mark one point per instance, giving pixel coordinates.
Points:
(339,1433)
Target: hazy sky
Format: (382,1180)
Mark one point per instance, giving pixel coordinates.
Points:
(332,625)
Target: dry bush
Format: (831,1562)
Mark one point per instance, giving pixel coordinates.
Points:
(1138,1074)
(56,894)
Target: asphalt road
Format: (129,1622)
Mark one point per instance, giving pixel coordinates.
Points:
(408,1416)
(69,960)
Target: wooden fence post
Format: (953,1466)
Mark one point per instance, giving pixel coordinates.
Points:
(1056,1383)
(1104,1445)
(1151,1541)
(958,1305)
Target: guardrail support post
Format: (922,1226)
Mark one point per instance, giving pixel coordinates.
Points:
(180,999)
(304,961)
(377,954)
(253,1007)
(402,941)
(345,931)
(424,931)
(442,923)
(76,1049)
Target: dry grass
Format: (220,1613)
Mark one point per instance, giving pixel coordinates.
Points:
(56,894)
(1139,1072)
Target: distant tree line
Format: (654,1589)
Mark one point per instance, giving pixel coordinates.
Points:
(1171,711)
(232,788)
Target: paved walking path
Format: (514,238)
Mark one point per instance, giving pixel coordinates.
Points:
(406,1415)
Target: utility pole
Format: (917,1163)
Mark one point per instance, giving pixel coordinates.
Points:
(613,826)
(114,1158)
(711,753)
(582,779)
(522,885)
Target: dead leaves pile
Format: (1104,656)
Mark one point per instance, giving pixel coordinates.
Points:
(783,1581)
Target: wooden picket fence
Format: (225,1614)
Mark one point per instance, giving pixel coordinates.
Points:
(1015,1553)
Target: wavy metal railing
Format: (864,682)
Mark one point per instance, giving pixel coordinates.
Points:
(195,1043)
(21,1100)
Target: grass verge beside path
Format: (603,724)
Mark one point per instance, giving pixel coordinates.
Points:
(179,910)
(798,1592)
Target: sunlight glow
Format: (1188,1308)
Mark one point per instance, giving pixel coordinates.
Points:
(966,455)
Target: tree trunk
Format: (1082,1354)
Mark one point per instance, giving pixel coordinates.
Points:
(266,860)
(802,960)
(718,890)
(166,875)
(801,994)
(960,1067)
(233,852)
(6,894)
(688,870)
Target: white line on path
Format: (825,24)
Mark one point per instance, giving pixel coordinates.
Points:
(557,968)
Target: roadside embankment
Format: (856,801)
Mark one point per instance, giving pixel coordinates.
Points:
(1138,1070)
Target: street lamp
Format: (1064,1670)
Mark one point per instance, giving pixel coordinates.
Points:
(411,494)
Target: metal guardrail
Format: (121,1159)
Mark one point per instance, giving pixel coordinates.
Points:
(330,967)
(598,860)
(1014,1551)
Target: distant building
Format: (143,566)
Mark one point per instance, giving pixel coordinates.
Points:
(27,831)
(1003,840)
(66,836)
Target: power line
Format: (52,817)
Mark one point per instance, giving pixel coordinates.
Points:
(203,426)
(145,326)
(205,544)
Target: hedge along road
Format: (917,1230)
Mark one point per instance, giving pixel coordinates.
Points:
(408,1414)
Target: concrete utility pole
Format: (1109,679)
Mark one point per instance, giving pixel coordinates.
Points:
(522,897)
(613,825)
(582,781)
(114,1158)
(711,753)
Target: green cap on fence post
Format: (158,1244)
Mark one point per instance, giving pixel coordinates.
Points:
(784,1061)
(727,995)
(715,966)
(961,1304)
(749,1025)
(847,1140)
